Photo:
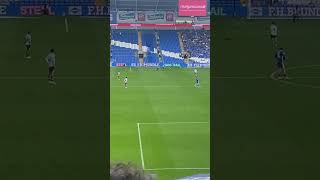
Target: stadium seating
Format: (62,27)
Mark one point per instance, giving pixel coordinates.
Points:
(169,41)
(125,46)
(124,35)
(197,42)
(149,40)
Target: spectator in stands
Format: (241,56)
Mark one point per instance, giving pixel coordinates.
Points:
(197,42)
(123,171)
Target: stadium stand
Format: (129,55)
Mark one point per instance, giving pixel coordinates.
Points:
(125,45)
(149,40)
(169,41)
(197,42)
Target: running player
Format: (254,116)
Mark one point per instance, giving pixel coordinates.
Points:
(126,82)
(280,58)
(28,40)
(195,72)
(197,84)
(274,34)
(51,60)
(118,75)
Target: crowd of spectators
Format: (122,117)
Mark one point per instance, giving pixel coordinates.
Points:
(128,171)
(197,43)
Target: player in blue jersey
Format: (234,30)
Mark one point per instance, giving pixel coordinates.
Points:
(197,83)
(280,58)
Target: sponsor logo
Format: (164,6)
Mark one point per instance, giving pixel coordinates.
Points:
(188,7)
(285,11)
(127,15)
(192,7)
(75,10)
(141,16)
(169,16)
(172,65)
(218,11)
(34,10)
(206,18)
(3,10)
(97,11)
(256,11)
(155,16)
(121,64)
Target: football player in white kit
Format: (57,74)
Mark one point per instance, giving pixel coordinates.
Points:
(125,82)
(28,40)
(195,72)
(118,75)
(274,34)
(51,60)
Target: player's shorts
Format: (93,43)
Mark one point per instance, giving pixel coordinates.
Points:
(273,36)
(280,65)
(51,69)
(28,46)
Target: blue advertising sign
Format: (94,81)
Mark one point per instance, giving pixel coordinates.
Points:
(13,9)
(285,11)
(224,8)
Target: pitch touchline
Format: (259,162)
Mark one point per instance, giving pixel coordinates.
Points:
(140,145)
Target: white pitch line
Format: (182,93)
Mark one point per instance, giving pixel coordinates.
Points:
(140,144)
(66,24)
(175,123)
(163,169)
(284,81)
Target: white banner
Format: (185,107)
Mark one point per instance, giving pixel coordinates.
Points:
(126,16)
(203,20)
(152,16)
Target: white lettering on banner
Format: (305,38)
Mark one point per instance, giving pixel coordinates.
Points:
(218,11)
(34,10)
(97,11)
(290,11)
(193,6)
(3,10)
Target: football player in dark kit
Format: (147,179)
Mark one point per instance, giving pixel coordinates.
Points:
(280,58)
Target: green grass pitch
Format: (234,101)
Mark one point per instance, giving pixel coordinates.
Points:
(263,128)
(53,132)
(162,118)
